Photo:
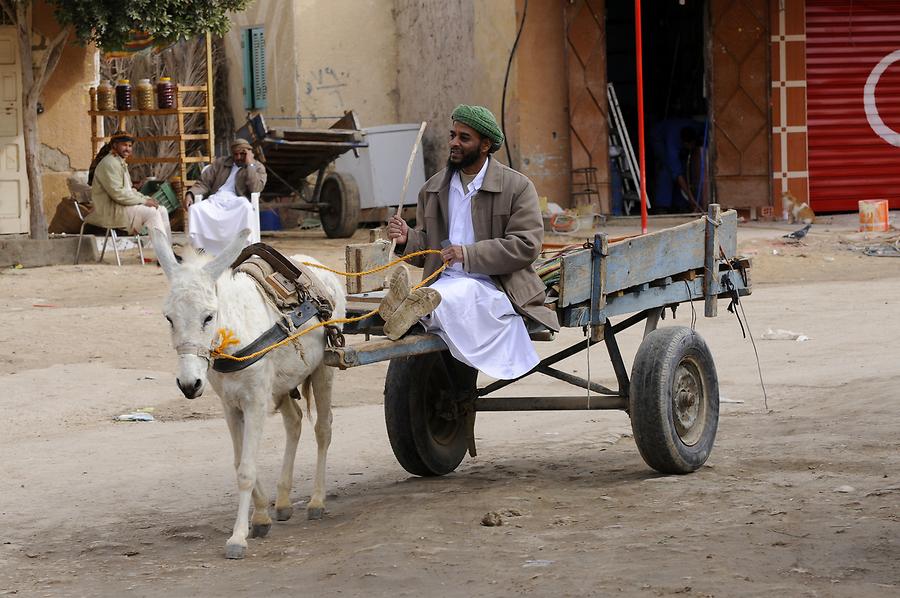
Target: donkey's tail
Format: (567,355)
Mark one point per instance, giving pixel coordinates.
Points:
(306,392)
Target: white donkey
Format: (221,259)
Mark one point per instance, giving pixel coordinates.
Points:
(205,296)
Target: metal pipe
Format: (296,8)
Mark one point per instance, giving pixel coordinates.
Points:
(640,106)
(317,191)
(564,354)
(580,403)
(615,356)
(630,321)
(652,320)
(577,381)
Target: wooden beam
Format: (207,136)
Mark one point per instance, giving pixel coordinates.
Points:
(192,136)
(169,160)
(338,145)
(382,350)
(157,112)
(711,261)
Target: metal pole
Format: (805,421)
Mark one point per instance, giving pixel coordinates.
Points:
(548,403)
(640,107)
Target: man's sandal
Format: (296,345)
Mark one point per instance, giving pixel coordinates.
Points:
(420,302)
(398,290)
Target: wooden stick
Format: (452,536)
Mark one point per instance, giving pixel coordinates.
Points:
(210,105)
(412,158)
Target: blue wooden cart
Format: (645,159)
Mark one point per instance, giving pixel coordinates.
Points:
(671,394)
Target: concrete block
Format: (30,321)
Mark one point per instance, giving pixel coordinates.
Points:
(31,253)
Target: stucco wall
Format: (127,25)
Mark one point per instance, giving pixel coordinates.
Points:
(64,127)
(347,53)
(457,52)
(322,58)
(436,68)
(495,32)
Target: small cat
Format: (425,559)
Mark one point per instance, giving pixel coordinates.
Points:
(795,210)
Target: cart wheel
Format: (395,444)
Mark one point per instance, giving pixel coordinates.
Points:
(674,402)
(425,420)
(341,217)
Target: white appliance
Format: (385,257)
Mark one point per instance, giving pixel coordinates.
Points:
(380,168)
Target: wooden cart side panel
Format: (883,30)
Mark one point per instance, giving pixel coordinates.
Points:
(670,294)
(643,259)
(575,278)
(363,257)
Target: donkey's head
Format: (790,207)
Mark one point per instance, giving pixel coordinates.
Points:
(192,307)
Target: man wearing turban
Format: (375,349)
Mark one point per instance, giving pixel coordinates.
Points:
(229,181)
(116,203)
(486,220)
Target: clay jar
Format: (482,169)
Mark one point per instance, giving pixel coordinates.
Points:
(124,99)
(165,93)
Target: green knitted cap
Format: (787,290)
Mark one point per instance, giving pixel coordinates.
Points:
(482,120)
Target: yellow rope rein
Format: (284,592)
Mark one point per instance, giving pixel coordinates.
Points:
(228,338)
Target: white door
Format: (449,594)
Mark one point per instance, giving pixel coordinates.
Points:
(13,178)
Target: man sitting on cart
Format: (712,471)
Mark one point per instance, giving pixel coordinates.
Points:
(226,185)
(486,220)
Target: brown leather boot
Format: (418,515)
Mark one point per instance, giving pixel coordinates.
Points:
(398,290)
(420,302)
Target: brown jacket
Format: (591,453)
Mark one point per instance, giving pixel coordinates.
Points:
(249,180)
(509,231)
(111,193)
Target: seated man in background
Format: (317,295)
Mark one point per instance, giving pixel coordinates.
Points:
(116,203)
(228,182)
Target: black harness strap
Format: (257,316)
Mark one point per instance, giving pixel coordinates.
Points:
(280,263)
(277,333)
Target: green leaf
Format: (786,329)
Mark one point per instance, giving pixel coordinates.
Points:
(107,23)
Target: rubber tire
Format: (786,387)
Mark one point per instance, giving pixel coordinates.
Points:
(651,400)
(411,391)
(341,218)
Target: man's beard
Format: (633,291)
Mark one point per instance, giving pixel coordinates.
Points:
(467,160)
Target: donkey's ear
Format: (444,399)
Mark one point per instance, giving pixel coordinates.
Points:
(224,260)
(163,250)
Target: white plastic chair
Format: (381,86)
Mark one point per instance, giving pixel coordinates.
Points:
(110,232)
(254,224)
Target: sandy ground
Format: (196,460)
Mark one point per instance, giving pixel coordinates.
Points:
(801,499)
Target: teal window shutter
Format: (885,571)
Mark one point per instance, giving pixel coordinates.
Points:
(253,44)
(248,69)
(258,47)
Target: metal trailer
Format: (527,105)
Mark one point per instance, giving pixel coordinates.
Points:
(291,155)
(671,394)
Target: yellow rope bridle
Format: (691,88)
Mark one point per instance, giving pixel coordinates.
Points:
(228,338)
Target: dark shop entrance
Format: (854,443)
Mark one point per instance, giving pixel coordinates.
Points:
(675,105)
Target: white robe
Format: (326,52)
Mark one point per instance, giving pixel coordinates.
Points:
(475,318)
(216,220)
